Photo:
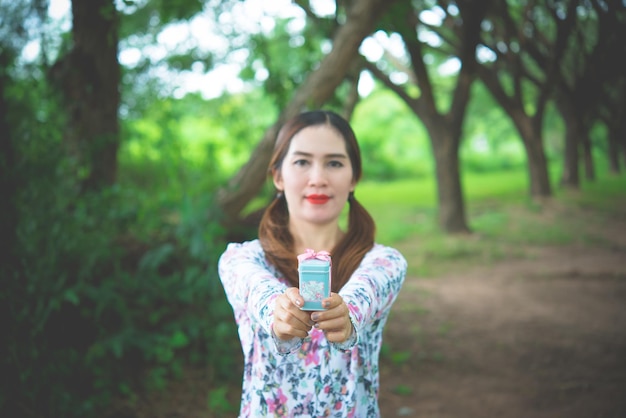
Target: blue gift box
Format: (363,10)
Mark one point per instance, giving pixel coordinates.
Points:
(314,283)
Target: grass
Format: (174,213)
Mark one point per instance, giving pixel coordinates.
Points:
(500,213)
(403,208)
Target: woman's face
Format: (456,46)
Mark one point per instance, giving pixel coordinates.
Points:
(316,175)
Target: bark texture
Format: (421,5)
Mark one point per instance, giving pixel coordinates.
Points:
(89,77)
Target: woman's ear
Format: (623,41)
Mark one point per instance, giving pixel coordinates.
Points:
(278,180)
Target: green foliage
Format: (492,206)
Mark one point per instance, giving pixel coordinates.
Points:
(189,145)
(287,55)
(185,62)
(393,141)
(217,403)
(102,308)
(146,16)
(110,293)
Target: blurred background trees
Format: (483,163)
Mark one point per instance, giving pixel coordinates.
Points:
(135,137)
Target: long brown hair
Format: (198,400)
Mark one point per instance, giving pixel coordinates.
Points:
(274,234)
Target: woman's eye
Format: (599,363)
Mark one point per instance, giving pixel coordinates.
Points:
(335,164)
(300,163)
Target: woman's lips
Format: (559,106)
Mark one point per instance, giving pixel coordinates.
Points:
(317,199)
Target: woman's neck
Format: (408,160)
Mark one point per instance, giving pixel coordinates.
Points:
(315,237)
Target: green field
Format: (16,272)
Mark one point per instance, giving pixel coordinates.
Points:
(499,211)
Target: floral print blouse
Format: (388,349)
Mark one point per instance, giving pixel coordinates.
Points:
(309,377)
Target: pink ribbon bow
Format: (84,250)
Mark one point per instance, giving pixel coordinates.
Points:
(309,254)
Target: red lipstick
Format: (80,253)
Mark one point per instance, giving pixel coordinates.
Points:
(317,199)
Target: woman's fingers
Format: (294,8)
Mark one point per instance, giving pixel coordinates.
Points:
(289,320)
(333,301)
(335,321)
(336,330)
(294,296)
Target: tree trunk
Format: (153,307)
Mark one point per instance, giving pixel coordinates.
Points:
(444,130)
(590,169)
(617,137)
(614,150)
(352,99)
(529,128)
(621,139)
(316,89)
(444,135)
(89,77)
(570,177)
(538,169)
(536,157)
(449,190)
(622,147)
(8,210)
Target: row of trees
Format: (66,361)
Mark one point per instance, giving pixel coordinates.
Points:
(527,53)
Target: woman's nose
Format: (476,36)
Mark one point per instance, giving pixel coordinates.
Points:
(317,175)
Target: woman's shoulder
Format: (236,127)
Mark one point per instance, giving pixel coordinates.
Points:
(380,251)
(247,249)
(384,250)
(252,245)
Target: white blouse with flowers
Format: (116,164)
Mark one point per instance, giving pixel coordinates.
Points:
(309,377)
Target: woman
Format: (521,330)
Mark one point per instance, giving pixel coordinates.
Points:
(300,363)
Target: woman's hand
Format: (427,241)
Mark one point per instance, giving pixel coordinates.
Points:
(335,320)
(289,320)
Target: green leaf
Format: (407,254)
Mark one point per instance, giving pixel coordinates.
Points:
(179,339)
(71,296)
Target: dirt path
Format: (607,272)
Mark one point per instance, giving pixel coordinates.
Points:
(543,337)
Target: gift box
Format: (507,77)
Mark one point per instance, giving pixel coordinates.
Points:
(314,275)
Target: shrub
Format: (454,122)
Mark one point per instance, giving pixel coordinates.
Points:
(106,298)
